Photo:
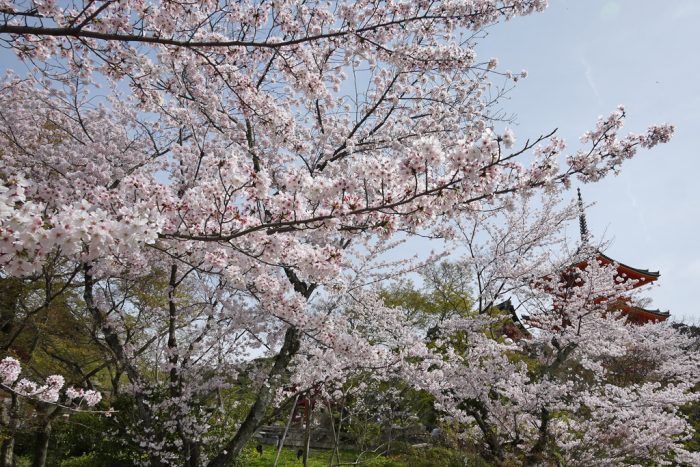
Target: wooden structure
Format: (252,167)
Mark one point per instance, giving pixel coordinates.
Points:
(571,278)
(624,273)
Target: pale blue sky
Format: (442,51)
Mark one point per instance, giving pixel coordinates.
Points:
(585,57)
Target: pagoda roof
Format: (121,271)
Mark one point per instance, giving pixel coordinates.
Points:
(645,275)
(624,271)
(641,272)
(639,314)
(517,331)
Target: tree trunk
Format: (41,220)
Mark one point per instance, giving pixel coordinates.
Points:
(7,452)
(114,344)
(477,410)
(536,454)
(195,454)
(336,436)
(256,414)
(265,394)
(340,429)
(41,445)
(307,431)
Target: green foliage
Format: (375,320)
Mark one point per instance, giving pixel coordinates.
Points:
(445,294)
(432,457)
(235,402)
(692,411)
(81,440)
(288,457)
(428,457)
(86,460)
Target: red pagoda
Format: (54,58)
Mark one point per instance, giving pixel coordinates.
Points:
(517,330)
(639,277)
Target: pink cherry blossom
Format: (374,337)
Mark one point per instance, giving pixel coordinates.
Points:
(253,166)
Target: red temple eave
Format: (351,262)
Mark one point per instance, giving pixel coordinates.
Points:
(639,276)
(641,315)
(561,284)
(648,275)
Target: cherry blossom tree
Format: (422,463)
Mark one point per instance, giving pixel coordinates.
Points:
(250,154)
(591,358)
(577,382)
(585,387)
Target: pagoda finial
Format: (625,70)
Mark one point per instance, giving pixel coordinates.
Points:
(582,218)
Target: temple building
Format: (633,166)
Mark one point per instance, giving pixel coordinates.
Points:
(638,277)
(570,278)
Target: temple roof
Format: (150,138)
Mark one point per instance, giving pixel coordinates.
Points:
(633,313)
(516,330)
(639,314)
(643,272)
(645,275)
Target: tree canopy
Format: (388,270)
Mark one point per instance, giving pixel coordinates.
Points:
(207,193)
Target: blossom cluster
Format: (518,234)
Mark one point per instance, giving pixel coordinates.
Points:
(50,392)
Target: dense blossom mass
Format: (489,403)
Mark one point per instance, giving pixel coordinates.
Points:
(215,182)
